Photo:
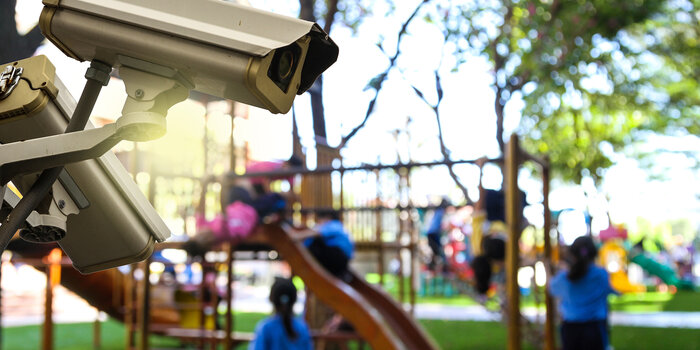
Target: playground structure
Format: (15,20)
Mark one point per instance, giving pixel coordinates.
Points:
(380,221)
(128,299)
(614,256)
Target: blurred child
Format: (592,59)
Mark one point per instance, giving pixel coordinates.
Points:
(583,292)
(493,248)
(242,212)
(434,235)
(329,243)
(282,331)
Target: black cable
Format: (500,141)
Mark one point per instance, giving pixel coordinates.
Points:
(97,77)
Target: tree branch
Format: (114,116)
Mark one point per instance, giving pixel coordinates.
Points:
(330,15)
(443,149)
(382,76)
(306,10)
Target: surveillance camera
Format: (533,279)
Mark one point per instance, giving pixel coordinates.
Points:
(219,48)
(95,210)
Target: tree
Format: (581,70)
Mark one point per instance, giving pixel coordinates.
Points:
(308,12)
(350,13)
(584,77)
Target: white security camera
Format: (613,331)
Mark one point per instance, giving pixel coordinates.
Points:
(163,49)
(215,47)
(95,211)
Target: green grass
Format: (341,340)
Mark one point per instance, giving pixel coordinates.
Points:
(684,301)
(458,335)
(450,335)
(77,336)
(492,336)
(628,338)
(656,301)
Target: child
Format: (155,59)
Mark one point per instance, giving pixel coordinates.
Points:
(493,248)
(330,244)
(282,331)
(583,294)
(434,235)
(241,215)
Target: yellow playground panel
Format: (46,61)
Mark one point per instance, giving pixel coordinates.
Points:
(613,257)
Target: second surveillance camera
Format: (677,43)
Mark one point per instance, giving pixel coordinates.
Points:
(219,48)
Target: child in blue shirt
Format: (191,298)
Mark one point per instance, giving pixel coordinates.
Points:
(583,298)
(282,331)
(330,244)
(434,235)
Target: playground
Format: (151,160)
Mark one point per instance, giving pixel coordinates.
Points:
(175,179)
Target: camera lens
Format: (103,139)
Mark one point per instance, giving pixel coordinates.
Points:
(283,65)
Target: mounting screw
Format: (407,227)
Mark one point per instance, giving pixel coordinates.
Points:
(61,204)
(139,93)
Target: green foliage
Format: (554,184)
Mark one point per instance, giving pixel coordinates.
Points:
(595,75)
(352,13)
(663,234)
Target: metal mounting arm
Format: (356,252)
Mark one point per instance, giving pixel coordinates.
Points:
(56,150)
(150,96)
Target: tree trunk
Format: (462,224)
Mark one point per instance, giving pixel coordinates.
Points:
(306,12)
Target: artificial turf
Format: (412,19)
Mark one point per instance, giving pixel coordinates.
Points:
(450,335)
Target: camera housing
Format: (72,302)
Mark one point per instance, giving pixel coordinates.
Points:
(223,49)
(107,220)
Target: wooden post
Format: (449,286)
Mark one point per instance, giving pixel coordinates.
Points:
(513,213)
(398,241)
(145,302)
(202,305)
(413,238)
(378,233)
(342,196)
(549,329)
(228,342)
(47,329)
(96,333)
(129,307)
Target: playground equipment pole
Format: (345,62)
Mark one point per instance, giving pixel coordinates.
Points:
(378,233)
(549,343)
(47,328)
(512,249)
(228,342)
(129,307)
(515,156)
(145,302)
